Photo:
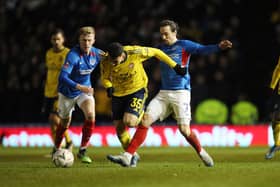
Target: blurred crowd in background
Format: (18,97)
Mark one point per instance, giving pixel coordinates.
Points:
(240,74)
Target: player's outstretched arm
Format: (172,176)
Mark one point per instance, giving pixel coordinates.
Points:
(166,59)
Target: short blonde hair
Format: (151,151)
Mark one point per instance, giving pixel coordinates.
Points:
(86,30)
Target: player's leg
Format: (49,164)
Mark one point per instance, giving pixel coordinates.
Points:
(130,157)
(87,105)
(181,106)
(60,131)
(118,109)
(127,112)
(50,110)
(154,111)
(276,135)
(132,118)
(55,121)
(129,120)
(133,108)
(66,107)
(122,133)
(195,143)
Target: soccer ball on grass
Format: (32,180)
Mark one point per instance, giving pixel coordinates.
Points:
(63,158)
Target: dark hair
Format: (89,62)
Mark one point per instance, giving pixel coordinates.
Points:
(173,25)
(115,49)
(57,31)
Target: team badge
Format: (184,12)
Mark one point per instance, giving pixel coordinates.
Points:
(92,61)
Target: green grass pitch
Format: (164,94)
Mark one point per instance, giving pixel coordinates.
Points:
(162,166)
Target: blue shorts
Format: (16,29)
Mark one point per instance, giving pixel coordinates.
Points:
(133,103)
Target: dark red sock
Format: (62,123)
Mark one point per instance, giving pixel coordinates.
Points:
(59,134)
(87,131)
(137,140)
(194,142)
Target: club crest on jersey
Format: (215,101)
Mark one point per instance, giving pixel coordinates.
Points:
(92,61)
(131,65)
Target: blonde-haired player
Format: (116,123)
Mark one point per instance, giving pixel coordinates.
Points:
(276,112)
(75,87)
(54,60)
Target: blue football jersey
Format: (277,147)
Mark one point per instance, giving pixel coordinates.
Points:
(181,52)
(77,69)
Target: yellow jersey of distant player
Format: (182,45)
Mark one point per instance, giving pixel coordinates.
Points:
(276,77)
(54,62)
(130,76)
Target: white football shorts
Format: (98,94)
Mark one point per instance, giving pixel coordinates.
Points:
(175,102)
(67,105)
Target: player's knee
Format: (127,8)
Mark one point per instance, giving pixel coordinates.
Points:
(147,120)
(130,122)
(90,116)
(185,130)
(54,119)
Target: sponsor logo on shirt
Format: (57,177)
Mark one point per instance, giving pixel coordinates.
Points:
(86,71)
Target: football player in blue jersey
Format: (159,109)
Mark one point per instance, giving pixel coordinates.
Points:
(174,95)
(75,88)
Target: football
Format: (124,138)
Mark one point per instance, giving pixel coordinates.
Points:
(63,158)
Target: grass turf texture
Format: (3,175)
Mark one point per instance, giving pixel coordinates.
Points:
(164,167)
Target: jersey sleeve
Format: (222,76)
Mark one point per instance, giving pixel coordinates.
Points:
(153,52)
(105,74)
(67,69)
(275,75)
(64,78)
(100,54)
(196,48)
(69,63)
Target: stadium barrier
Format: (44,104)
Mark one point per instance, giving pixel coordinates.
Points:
(209,135)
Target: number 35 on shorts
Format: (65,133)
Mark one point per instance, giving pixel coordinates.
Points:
(136,104)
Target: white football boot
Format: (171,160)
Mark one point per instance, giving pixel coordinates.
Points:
(123,159)
(206,158)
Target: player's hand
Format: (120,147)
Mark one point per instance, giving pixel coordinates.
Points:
(225,44)
(110,91)
(85,89)
(180,70)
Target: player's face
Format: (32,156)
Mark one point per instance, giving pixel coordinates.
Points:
(168,37)
(57,41)
(86,42)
